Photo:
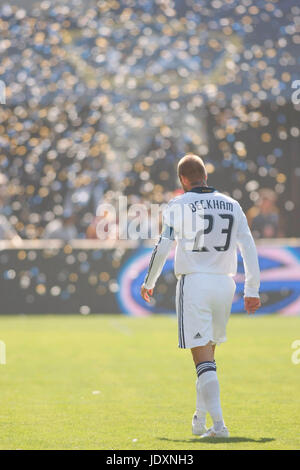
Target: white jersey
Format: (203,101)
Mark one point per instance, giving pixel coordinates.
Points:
(208,227)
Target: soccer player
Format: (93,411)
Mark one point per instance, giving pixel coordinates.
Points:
(208,226)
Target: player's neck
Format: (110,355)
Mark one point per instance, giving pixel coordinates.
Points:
(201,184)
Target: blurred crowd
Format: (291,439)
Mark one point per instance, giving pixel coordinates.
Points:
(102,101)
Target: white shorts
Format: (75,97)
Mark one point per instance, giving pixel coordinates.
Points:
(203,306)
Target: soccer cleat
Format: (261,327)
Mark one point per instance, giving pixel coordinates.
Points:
(198,427)
(223,433)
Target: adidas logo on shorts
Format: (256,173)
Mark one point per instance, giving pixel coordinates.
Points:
(197,336)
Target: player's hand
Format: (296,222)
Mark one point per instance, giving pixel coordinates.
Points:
(145,293)
(252,304)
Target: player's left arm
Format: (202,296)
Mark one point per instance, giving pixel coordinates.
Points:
(157,261)
(252,274)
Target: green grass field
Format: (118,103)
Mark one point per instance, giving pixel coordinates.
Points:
(115,383)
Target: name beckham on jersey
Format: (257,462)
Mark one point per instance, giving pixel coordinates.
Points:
(204,204)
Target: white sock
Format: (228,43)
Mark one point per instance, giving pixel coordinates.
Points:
(210,391)
(201,410)
(200,404)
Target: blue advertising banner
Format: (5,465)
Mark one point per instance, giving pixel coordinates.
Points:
(280,283)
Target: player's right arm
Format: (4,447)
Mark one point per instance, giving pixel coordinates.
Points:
(158,258)
(252,273)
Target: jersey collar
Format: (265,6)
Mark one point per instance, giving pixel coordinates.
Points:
(202,189)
